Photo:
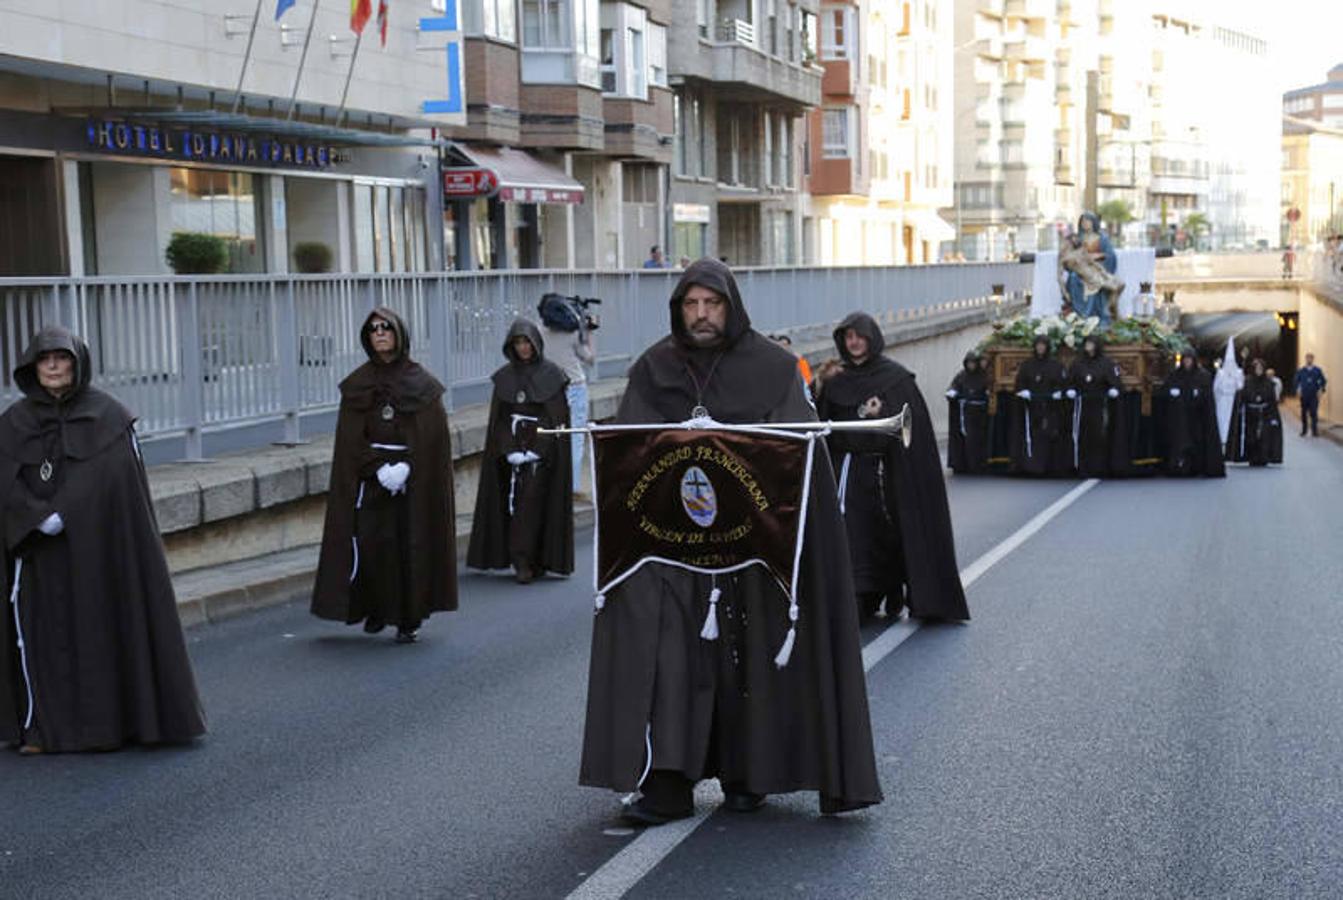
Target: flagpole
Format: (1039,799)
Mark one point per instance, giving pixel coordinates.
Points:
(247,56)
(303,57)
(354,55)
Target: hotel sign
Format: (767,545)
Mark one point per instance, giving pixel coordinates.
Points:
(203,145)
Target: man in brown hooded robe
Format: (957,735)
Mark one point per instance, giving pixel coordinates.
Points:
(525,503)
(389,544)
(666,706)
(91,648)
(893,498)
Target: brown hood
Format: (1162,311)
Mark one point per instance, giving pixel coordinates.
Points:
(717,277)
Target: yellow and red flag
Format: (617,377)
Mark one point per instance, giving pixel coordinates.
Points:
(360,12)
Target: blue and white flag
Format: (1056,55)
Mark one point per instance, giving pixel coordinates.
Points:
(281,6)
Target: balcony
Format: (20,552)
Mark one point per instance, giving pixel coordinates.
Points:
(1027,49)
(759,77)
(989,47)
(736,31)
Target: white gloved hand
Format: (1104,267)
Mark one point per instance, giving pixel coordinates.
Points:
(1024,395)
(1175,392)
(392,476)
(52,525)
(1113,392)
(516,458)
(953,394)
(1071,393)
(530,457)
(1057,395)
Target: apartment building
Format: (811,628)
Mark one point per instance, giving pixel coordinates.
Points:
(1021,69)
(743,73)
(1321,103)
(1312,162)
(881,148)
(569,108)
(121,125)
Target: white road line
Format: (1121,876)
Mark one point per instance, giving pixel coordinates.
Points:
(624,870)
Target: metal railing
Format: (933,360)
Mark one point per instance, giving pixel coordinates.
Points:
(191,354)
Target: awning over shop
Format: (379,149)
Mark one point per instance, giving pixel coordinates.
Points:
(512,175)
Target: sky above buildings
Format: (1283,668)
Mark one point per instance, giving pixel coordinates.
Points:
(1306,36)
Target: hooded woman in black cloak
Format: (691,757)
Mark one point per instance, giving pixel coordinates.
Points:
(91,648)
(389,546)
(1189,427)
(1040,445)
(968,415)
(1255,436)
(893,498)
(525,503)
(666,706)
(1097,424)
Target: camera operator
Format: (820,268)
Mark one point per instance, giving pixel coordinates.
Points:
(570,344)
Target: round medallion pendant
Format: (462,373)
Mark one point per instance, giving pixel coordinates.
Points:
(699,412)
(45,472)
(388,413)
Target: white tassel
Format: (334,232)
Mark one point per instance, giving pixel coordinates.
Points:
(599,603)
(710,630)
(786,651)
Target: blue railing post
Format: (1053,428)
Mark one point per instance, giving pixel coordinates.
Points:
(193,378)
(286,355)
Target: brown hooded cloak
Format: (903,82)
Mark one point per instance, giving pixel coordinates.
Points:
(390,558)
(91,648)
(525,513)
(722,708)
(894,497)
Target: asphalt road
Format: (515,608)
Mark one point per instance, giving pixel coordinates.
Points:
(1148,703)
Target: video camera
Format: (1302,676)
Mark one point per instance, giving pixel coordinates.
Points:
(569,313)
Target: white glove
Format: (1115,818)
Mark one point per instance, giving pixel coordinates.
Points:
(52,525)
(1057,395)
(392,476)
(1175,392)
(1024,395)
(953,394)
(521,458)
(1071,393)
(1113,392)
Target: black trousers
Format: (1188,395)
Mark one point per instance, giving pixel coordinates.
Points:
(1310,409)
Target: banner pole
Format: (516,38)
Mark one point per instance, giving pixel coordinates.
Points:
(303,58)
(247,56)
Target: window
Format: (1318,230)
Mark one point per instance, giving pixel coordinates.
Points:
(543,24)
(784,142)
(807,30)
(835,133)
(608,61)
(697,118)
(789,30)
(225,204)
(679,157)
(636,66)
(771,43)
(490,18)
(703,19)
(657,54)
(769,150)
(834,34)
(625,68)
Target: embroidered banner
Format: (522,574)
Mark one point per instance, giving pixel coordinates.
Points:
(710,501)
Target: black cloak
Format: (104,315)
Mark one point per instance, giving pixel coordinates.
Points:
(894,498)
(1189,424)
(968,418)
(1255,436)
(721,708)
(1098,434)
(525,513)
(1040,443)
(390,558)
(103,652)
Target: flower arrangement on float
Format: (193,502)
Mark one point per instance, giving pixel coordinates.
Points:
(1070,330)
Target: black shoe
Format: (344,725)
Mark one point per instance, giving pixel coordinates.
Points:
(407,635)
(743,801)
(638,812)
(373,626)
(523,574)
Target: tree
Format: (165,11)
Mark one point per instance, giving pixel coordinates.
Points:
(1116,214)
(1197,225)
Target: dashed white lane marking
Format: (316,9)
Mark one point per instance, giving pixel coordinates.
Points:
(624,870)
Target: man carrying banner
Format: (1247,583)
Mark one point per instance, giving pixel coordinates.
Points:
(726,675)
(893,496)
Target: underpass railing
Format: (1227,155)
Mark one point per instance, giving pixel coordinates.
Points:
(189,354)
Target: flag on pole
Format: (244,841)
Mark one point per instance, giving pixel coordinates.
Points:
(281,6)
(382,21)
(360,12)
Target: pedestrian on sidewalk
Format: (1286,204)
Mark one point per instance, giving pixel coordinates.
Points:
(389,543)
(91,649)
(525,503)
(893,498)
(669,704)
(1310,384)
(571,345)
(803,367)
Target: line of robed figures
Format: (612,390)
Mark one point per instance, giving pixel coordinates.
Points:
(1078,420)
